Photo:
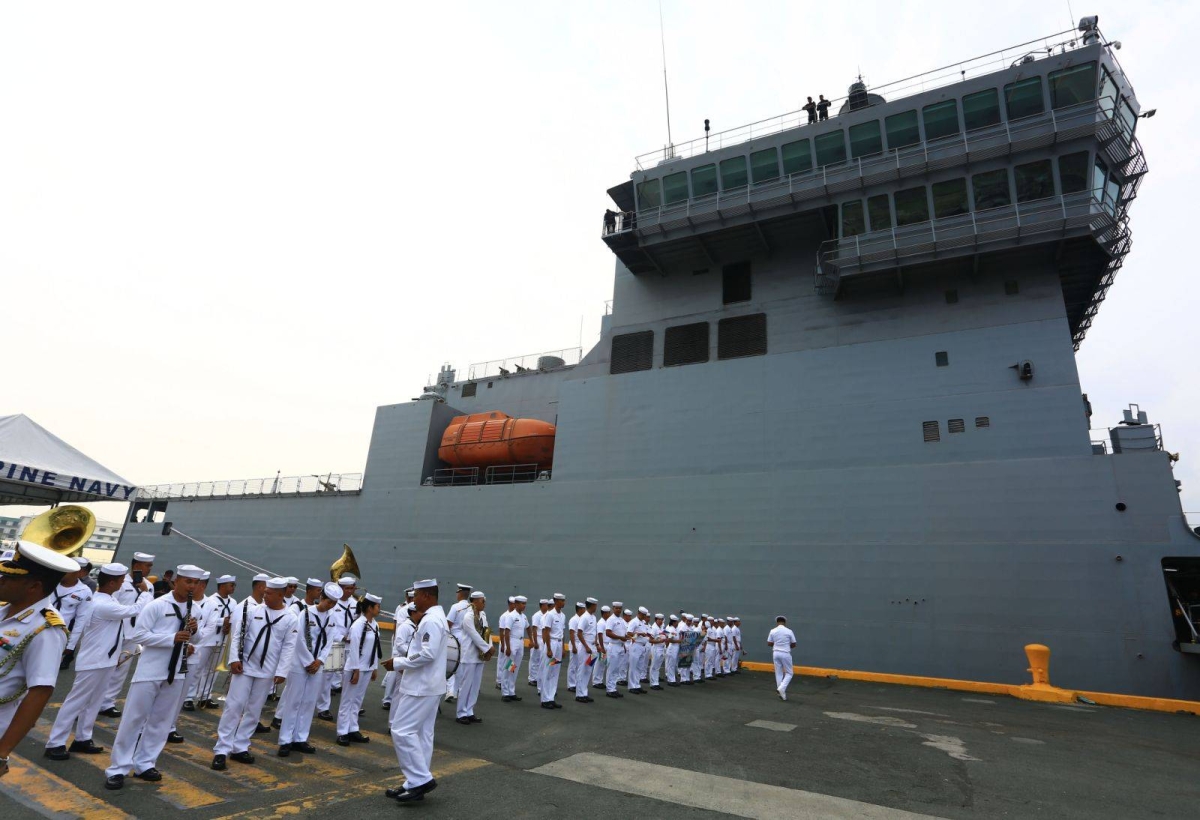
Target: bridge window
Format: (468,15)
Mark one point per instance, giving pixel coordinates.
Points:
(1069,86)
(1108,92)
(797,157)
(675,188)
(742,336)
(902,130)
(1105,186)
(941,119)
(831,148)
(632,352)
(912,206)
(991,189)
(1073,172)
(704,180)
(879,209)
(735,283)
(686,344)
(1125,112)
(1035,180)
(950,198)
(1024,98)
(648,194)
(981,109)
(852,218)
(865,139)
(764,165)
(733,173)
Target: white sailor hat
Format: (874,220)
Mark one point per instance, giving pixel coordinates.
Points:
(579,605)
(521,599)
(511,599)
(658,616)
(544,601)
(558,596)
(206,575)
(375,599)
(189,571)
(83,562)
(116,570)
(628,613)
(643,611)
(143,557)
(673,617)
(410,591)
(332,590)
(227,579)
(465,587)
(348,581)
(617,604)
(428,583)
(477,595)
(262,576)
(292,581)
(590,601)
(703,614)
(606,608)
(314,582)
(277,583)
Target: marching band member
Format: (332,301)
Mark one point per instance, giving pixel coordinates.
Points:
(165,629)
(658,650)
(406,627)
(600,667)
(639,644)
(343,618)
(672,641)
(553,624)
(536,650)
(454,620)
(305,677)
(32,637)
(141,565)
(263,640)
(70,600)
(96,660)
(586,638)
(363,651)
(512,644)
(736,654)
(258,589)
(217,608)
(474,652)
(389,677)
(422,687)
(198,599)
(616,638)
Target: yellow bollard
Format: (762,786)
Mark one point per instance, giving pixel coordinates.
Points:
(1041,690)
(1039,663)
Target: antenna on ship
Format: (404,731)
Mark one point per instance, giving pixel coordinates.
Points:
(666,90)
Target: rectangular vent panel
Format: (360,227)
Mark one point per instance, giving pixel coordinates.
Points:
(742,336)
(632,352)
(469,389)
(956,426)
(931,430)
(686,344)
(983,421)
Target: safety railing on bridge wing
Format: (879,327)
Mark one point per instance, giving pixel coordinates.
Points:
(313,484)
(529,363)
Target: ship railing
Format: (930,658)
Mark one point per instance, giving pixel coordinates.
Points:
(512,474)
(528,363)
(970,232)
(454,477)
(1094,117)
(328,484)
(496,474)
(951,74)
(617,222)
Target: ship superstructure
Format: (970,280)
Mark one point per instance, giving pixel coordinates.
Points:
(837,379)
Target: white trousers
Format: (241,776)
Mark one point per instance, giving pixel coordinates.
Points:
(117,682)
(351,700)
(239,718)
(672,662)
(783,670)
(81,706)
(572,665)
(297,705)
(150,711)
(537,654)
(616,664)
(583,674)
(549,687)
(470,676)
(325,695)
(599,669)
(412,721)
(657,655)
(389,680)
(637,657)
(712,661)
(508,683)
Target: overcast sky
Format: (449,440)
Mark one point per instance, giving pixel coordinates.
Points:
(228,231)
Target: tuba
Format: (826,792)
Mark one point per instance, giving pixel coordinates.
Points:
(346,565)
(63,529)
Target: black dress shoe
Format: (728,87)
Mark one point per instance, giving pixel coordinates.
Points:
(583,700)
(533,683)
(285,750)
(57,753)
(387,706)
(304,747)
(174,737)
(613,695)
(516,697)
(189,706)
(417,792)
(358,737)
(343,740)
(474,719)
(261,730)
(210,704)
(570,688)
(464,721)
(112,711)
(335,692)
(656,688)
(218,764)
(276,723)
(242,757)
(325,715)
(547,705)
(85,747)
(151,775)
(507,699)
(114,782)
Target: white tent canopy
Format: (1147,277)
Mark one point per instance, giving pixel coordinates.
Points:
(37,467)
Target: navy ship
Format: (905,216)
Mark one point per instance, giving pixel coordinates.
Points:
(837,380)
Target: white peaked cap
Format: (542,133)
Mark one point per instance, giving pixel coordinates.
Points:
(227,579)
(347,581)
(115,570)
(375,599)
(262,576)
(520,599)
(189,571)
(143,557)
(276,583)
(477,595)
(428,583)
(465,587)
(7,555)
(314,582)
(332,590)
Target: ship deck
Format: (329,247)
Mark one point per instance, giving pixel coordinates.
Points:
(836,748)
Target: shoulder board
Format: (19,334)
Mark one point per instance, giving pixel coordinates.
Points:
(53,618)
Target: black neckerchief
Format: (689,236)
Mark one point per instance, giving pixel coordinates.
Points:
(177,649)
(376,651)
(266,628)
(322,635)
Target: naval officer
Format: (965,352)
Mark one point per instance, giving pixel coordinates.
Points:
(32,637)
(782,641)
(139,568)
(422,687)
(554,624)
(165,629)
(474,652)
(363,651)
(305,677)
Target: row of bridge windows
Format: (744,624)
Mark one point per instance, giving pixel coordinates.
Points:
(1022,98)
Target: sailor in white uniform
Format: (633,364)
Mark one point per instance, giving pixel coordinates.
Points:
(217,608)
(672,651)
(554,624)
(735,638)
(406,627)
(32,639)
(141,565)
(70,600)
(639,649)
(537,652)
(389,677)
(782,641)
(298,605)
(658,650)
(600,667)
(263,642)
(512,648)
(585,640)
(616,642)
(422,687)
(342,619)
(573,661)
(506,615)
(454,619)
(363,652)
(305,675)
(165,630)
(96,659)
(474,652)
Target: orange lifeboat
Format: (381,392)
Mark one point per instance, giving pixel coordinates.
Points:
(489,439)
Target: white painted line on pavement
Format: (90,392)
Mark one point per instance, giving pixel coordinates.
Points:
(772,725)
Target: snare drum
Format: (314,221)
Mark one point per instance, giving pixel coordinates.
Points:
(336,661)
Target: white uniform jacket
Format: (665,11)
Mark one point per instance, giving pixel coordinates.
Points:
(155,631)
(363,648)
(472,642)
(100,647)
(269,642)
(424,666)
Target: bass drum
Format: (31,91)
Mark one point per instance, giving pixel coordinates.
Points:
(336,660)
(453,653)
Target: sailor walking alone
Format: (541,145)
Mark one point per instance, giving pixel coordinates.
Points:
(782,641)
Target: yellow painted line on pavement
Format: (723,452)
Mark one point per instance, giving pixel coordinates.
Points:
(252,777)
(350,791)
(265,750)
(50,795)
